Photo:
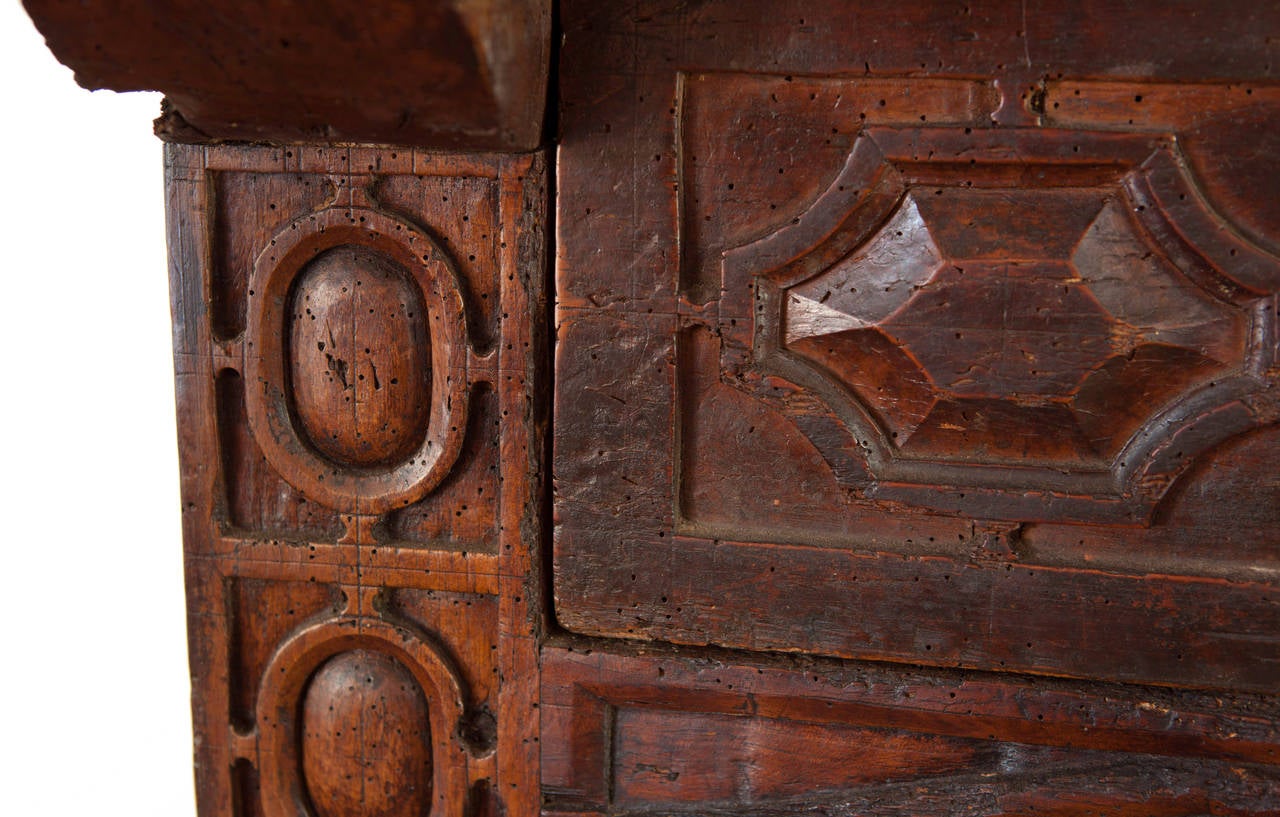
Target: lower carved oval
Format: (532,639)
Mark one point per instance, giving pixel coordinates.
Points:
(366,739)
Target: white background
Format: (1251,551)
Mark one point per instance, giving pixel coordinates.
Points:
(94,711)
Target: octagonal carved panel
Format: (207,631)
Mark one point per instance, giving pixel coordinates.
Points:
(1034,314)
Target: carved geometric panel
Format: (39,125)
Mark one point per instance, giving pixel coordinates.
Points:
(324,702)
(903,365)
(318,736)
(364,308)
(1037,332)
(351,327)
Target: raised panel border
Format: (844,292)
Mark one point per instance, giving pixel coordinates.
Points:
(1036,743)
(628,564)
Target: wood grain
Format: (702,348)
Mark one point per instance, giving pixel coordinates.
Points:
(914,407)
(924,346)
(329,72)
(364,750)
(348,656)
(653,730)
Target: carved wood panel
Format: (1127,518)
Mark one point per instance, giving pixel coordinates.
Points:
(954,347)
(634,732)
(915,423)
(352,328)
(950,342)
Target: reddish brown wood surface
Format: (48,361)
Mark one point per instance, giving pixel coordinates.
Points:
(440,73)
(940,335)
(915,404)
(365,718)
(954,344)
(352,312)
(662,731)
(367,646)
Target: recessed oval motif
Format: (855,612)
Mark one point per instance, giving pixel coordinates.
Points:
(366,738)
(402,428)
(359,357)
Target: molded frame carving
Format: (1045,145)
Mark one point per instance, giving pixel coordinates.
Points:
(814,548)
(875,182)
(392,586)
(355,490)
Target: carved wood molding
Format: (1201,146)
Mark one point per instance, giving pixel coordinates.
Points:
(358,347)
(1090,347)
(659,731)
(914,405)
(921,348)
(439,73)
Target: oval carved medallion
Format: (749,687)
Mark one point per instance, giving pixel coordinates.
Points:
(356,360)
(357,717)
(366,739)
(359,357)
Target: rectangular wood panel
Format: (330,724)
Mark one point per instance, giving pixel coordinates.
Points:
(953,345)
(358,340)
(914,406)
(649,732)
